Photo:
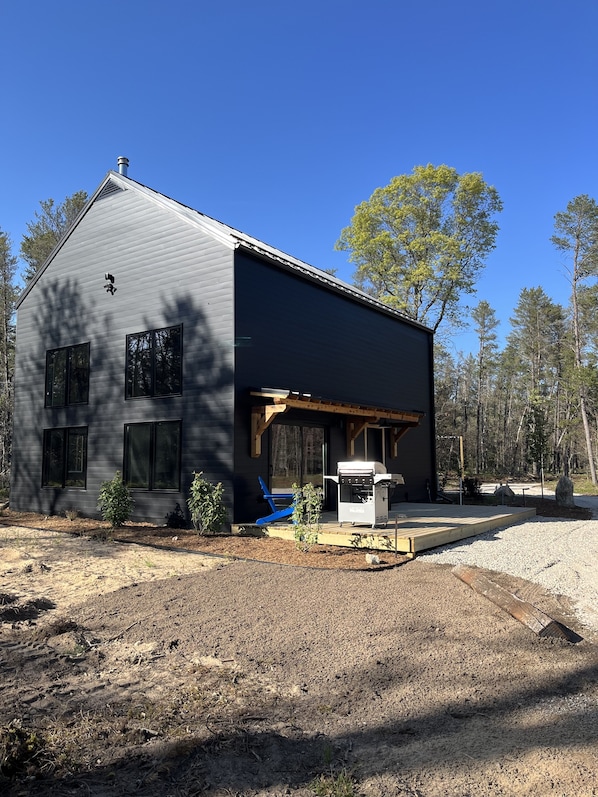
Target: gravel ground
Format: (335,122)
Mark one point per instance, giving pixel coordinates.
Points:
(560,555)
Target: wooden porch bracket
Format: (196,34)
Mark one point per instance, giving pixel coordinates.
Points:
(355,427)
(261,418)
(396,432)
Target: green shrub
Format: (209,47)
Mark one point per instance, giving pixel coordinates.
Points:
(115,502)
(307,508)
(206,505)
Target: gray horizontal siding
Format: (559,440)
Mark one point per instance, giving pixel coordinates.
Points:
(166,272)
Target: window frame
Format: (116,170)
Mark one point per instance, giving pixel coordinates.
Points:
(68,375)
(152,455)
(152,378)
(68,434)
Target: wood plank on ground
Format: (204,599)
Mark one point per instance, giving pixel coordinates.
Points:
(528,614)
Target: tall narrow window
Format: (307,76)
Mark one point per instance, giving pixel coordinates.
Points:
(154,363)
(67,376)
(64,457)
(153,455)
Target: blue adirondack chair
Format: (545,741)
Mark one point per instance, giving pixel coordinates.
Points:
(278,512)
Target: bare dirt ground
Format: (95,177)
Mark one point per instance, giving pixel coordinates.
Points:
(133,669)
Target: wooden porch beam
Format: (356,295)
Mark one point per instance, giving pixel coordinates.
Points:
(305,402)
(261,418)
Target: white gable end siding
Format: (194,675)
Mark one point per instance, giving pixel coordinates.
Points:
(166,272)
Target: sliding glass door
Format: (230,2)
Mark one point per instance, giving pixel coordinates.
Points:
(297,456)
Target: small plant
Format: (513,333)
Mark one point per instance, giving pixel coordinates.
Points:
(18,747)
(307,508)
(176,519)
(206,505)
(472,486)
(340,784)
(115,502)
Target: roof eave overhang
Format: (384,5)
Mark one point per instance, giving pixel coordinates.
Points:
(359,417)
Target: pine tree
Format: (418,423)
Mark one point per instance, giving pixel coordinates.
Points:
(47,229)
(576,235)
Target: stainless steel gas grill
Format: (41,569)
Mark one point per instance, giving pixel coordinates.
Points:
(363,492)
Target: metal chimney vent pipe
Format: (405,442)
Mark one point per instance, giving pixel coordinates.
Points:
(123,165)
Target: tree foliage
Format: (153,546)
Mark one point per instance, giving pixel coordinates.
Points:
(576,236)
(8,298)
(420,242)
(47,228)
(485,322)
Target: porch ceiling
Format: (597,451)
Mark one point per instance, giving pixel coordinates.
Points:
(358,416)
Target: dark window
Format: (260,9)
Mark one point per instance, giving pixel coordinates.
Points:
(64,462)
(67,376)
(154,363)
(153,455)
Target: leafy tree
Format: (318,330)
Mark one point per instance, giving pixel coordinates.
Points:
(576,235)
(420,242)
(46,230)
(8,297)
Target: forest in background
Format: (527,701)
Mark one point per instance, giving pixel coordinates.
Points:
(527,408)
(530,408)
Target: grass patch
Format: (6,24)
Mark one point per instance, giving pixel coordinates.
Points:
(584,486)
(340,784)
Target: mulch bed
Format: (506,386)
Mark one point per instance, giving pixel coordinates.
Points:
(548,507)
(263,549)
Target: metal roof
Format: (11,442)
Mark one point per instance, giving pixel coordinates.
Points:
(228,236)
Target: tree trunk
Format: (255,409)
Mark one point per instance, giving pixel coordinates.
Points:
(578,366)
(588,436)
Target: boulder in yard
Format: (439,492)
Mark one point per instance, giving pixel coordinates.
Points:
(504,493)
(564,492)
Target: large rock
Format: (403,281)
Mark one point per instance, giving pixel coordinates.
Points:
(564,492)
(504,493)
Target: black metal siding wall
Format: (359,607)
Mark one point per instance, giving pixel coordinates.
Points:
(166,272)
(299,335)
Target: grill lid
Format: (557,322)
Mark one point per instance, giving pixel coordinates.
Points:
(360,467)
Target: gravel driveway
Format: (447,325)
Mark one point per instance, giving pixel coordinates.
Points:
(560,555)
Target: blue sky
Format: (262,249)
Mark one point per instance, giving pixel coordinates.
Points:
(278,118)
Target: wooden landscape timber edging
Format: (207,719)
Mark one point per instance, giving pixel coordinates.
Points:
(540,623)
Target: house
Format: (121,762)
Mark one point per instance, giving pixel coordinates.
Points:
(157,341)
